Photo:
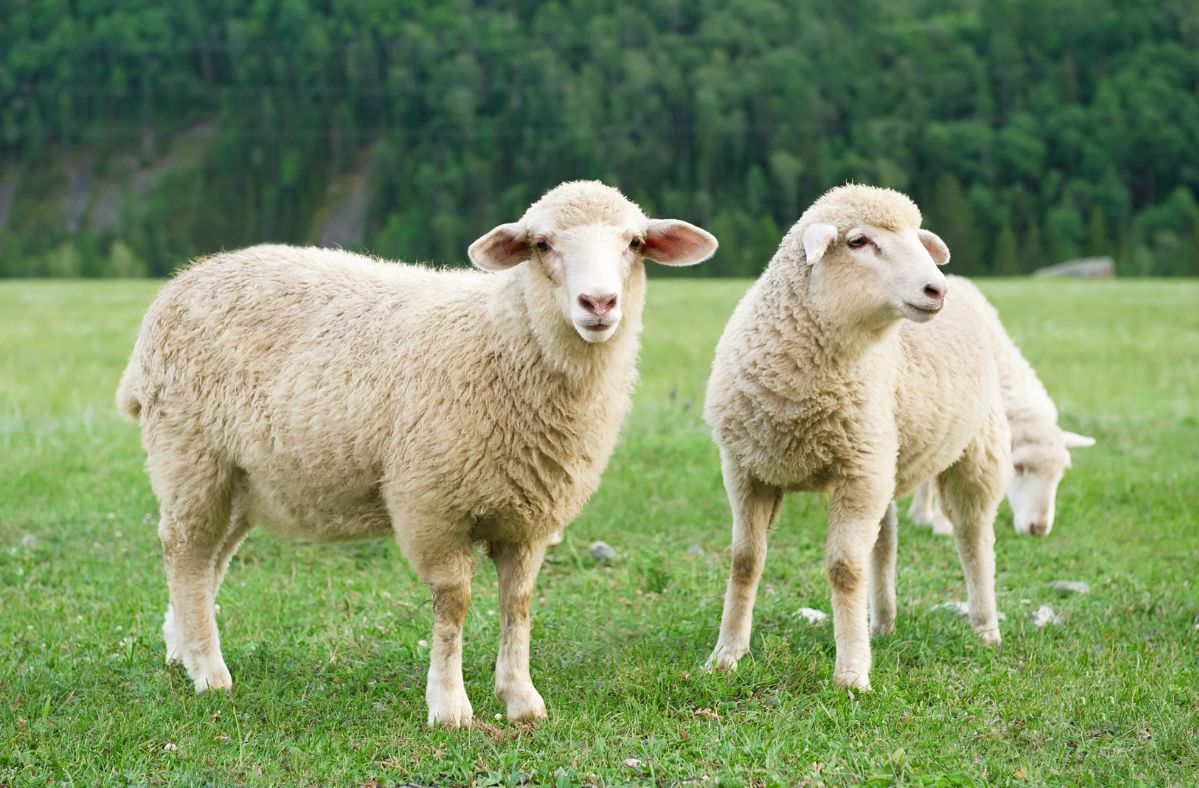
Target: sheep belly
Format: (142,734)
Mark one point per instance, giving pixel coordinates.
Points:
(310,509)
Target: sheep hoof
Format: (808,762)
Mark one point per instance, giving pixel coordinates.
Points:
(852,679)
(214,676)
(989,636)
(525,705)
(725,657)
(450,710)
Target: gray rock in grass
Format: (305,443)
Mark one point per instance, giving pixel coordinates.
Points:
(602,552)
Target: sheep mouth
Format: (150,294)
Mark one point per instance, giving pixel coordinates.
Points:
(924,310)
(596,325)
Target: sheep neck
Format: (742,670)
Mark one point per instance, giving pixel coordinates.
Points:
(828,334)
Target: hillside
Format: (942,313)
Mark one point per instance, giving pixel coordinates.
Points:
(132,138)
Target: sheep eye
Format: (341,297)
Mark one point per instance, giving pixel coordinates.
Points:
(635,243)
(543,245)
(1021,469)
(859,242)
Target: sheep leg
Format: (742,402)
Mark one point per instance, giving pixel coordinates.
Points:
(193,526)
(855,519)
(240,525)
(755,507)
(446,564)
(517,566)
(971,489)
(882,574)
(921,510)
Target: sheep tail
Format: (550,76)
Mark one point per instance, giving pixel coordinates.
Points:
(128,392)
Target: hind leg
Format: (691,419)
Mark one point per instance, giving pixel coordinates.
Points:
(926,510)
(971,490)
(239,526)
(755,507)
(194,497)
(882,574)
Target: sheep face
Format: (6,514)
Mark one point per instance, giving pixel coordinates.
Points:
(1039,468)
(588,240)
(878,274)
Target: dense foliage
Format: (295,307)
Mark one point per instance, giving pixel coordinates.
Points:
(1029,131)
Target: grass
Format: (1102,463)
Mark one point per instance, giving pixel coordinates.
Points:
(325,642)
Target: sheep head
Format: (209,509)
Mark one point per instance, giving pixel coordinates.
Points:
(588,239)
(869,256)
(1039,468)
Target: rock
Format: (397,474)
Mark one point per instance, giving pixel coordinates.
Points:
(631,763)
(812,616)
(695,550)
(1043,616)
(1085,268)
(602,552)
(1068,587)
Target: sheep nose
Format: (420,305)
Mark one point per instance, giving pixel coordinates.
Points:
(598,305)
(934,291)
(1038,528)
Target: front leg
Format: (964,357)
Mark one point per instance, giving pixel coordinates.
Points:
(755,506)
(855,515)
(517,566)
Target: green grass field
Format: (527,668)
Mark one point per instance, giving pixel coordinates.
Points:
(325,642)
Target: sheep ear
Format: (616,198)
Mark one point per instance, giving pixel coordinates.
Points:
(1075,441)
(935,246)
(675,242)
(816,240)
(502,248)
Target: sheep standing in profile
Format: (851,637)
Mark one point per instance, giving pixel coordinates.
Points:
(833,375)
(1040,448)
(328,395)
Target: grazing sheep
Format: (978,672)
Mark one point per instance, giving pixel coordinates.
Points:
(820,384)
(1040,449)
(328,395)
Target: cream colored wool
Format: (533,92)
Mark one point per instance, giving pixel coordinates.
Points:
(328,395)
(819,384)
(1040,449)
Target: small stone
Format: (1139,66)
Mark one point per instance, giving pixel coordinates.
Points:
(422,644)
(30,540)
(602,552)
(1044,616)
(695,549)
(813,616)
(170,747)
(630,763)
(1068,587)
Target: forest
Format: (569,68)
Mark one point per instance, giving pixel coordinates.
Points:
(134,136)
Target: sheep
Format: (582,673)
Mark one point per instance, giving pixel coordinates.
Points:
(328,395)
(830,377)
(1040,449)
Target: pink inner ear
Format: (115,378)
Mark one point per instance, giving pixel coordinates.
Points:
(670,244)
(508,246)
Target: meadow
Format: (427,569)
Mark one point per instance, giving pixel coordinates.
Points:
(327,643)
